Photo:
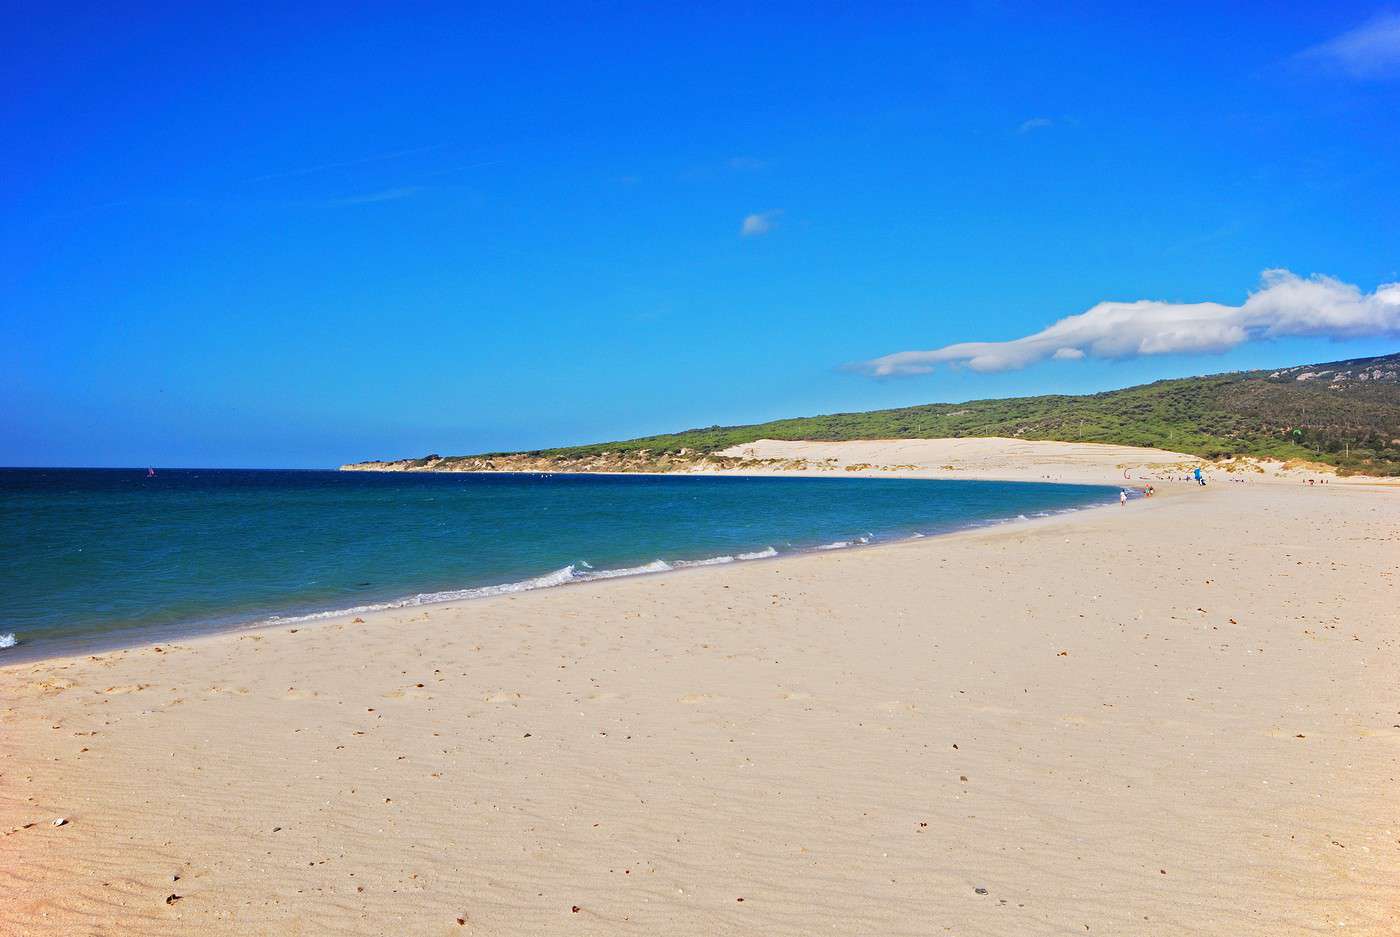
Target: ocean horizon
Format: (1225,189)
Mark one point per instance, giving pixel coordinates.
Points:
(99,558)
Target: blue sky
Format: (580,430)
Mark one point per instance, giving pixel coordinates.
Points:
(241,235)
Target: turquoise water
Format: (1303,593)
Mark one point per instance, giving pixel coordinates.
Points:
(94,557)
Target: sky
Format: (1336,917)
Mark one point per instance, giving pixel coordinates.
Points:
(246,235)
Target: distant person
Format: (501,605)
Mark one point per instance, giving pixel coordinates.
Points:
(1200,479)
(1123,498)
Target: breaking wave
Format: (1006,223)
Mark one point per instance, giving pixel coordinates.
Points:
(763,554)
(582,571)
(655,566)
(712,561)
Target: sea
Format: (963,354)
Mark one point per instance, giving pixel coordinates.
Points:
(98,558)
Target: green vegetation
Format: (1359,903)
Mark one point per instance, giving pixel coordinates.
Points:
(1345,413)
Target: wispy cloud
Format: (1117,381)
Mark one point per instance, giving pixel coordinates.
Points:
(1035,123)
(384,195)
(1371,50)
(463,167)
(747,163)
(346,164)
(759,223)
(1285,304)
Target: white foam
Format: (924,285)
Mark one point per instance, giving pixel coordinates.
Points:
(763,554)
(557,578)
(712,561)
(655,566)
(838,545)
(574,572)
(8,640)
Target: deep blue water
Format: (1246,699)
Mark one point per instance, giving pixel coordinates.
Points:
(97,555)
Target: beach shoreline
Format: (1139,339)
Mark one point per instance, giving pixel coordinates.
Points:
(1170,717)
(24,652)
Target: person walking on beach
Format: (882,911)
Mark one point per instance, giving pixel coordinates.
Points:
(1200,479)
(1122,498)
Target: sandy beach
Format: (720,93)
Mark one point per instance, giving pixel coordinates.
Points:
(1176,717)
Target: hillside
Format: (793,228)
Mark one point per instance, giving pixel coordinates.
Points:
(1343,413)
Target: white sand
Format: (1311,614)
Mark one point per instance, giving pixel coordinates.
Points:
(1016,460)
(1175,717)
(981,457)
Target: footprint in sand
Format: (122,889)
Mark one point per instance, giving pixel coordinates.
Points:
(44,688)
(506,697)
(692,699)
(126,688)
(413,693)
(294,693)
(1285,734)
(794,695)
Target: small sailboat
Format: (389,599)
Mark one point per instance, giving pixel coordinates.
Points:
(150,472)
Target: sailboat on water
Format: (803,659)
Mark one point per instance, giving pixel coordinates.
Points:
(150,472)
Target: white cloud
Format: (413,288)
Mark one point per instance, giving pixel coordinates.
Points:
(1371,50)
(759,223)
(1285,304)
(1035,123)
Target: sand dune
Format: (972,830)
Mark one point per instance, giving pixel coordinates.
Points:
(1175,717)
(1011,460)
(982,457)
